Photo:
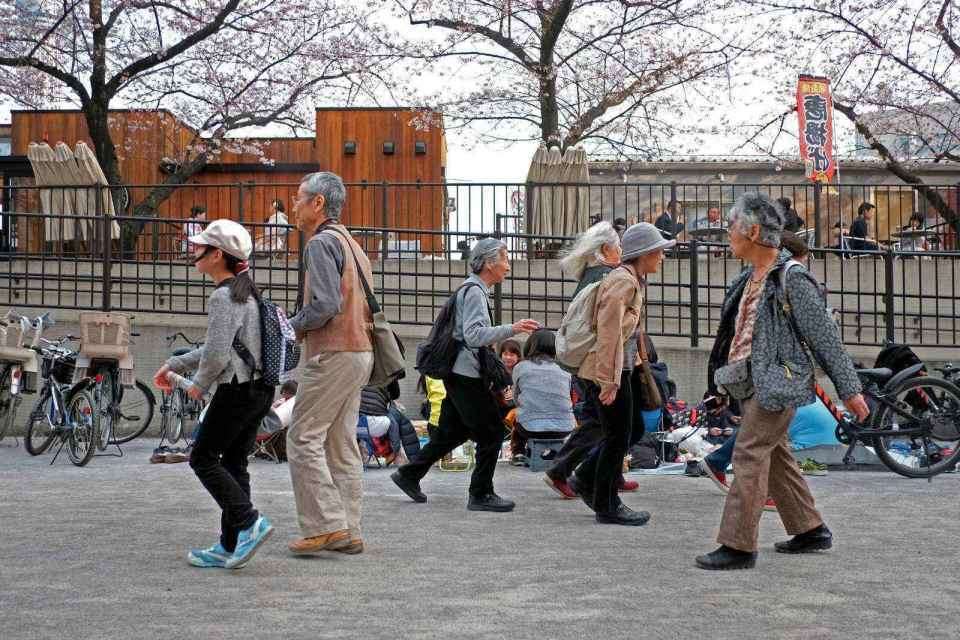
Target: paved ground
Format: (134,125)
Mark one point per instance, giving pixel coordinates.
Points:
(99,552)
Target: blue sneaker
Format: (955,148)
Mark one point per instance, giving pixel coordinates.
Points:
(213,558)
(248,542)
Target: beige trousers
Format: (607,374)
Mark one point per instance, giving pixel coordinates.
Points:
(764,466)
(322,452)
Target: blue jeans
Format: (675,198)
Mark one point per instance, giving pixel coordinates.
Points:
(720,459)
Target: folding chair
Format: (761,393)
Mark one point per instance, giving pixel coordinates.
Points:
(271,446)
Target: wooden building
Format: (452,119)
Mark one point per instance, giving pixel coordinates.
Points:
(367,147)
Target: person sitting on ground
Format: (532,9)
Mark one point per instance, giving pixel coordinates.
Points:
(510,354)
(721,421)
(281,413)
(380,416)
(544,409)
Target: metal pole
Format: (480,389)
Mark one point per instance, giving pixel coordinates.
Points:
(301,243)
(497,288)
(888,293)
(384,221)
(817,224)
(694,295)
(240,204)
(105,239)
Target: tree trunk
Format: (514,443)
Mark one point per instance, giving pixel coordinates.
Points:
(549,113)
(98,123)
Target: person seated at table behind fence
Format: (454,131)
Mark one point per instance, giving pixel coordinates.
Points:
(544,408)
(192,227)
(273,238)
(914,243)
(859,238)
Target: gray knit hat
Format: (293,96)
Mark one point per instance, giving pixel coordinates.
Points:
(643,238)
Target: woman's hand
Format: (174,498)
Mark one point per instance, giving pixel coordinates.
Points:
(195,392)
(508,394)
(160,379)
(525,326)
(608,393)
(857,406)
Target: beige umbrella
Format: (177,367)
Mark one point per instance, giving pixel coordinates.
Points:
(553,196)
(568,217)
(39,156)
(93,175)
(534,196)
(582,176)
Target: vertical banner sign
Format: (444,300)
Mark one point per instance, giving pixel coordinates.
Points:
(815,116)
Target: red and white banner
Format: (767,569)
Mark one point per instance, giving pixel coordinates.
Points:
(815,118)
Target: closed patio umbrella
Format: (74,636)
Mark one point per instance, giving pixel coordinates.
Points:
(534,195)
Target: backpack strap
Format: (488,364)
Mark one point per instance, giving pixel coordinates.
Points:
(788,309)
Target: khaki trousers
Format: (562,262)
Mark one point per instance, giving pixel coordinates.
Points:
(764,466)
(322,452)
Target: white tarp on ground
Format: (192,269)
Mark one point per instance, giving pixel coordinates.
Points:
(63,167)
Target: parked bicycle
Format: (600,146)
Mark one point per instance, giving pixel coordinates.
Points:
(65,411)
(950,372)
(18,366)
(177,409)
(914,423)
(124,404)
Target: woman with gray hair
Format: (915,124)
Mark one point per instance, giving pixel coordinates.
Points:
(593,255)
(760,358)
(470,411)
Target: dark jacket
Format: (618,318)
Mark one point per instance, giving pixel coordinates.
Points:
(783,374)
(374,401)
(591,275)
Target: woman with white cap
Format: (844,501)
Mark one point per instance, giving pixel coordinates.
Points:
(240,401)
(606,373)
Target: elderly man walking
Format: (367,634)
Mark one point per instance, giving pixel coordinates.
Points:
(335,328)
(768,321)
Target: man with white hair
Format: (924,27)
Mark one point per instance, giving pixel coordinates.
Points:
(335,327)
(469,411)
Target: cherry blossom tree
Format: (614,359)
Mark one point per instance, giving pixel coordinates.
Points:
(218,65)
(615,73)
(894,71)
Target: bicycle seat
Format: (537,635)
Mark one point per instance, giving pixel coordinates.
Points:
(879,375)
(179,351)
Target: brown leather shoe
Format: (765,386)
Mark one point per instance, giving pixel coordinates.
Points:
(326,542)
(355,547)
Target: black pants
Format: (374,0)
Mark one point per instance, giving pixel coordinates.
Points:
(588,435)
(603,467)
(468,412)
(221,448)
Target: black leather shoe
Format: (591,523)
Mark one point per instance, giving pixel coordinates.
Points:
(490,502)
(624,515)
(819,539)
(726,558)
(585,494)
(409,487)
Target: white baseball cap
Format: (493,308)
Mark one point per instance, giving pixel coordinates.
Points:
(226,235)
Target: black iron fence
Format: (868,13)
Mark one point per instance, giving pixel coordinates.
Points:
(418,236)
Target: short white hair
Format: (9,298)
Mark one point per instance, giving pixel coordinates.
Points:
(588,246)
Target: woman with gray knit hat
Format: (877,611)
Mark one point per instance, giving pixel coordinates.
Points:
(470,411)
(606,372)
(760,358)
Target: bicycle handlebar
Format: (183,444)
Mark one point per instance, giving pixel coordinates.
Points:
(171,339)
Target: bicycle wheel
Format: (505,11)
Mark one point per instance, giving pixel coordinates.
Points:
(6,401)
(175,416)
(39,432)
(83,433)
(104,393)
(932,402)
(134,413)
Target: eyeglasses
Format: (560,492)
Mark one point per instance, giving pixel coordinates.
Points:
(205,253)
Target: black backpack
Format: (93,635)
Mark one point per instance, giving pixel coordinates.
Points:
(438,353)
(279,351)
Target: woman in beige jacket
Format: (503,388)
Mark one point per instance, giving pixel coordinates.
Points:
(607,369)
